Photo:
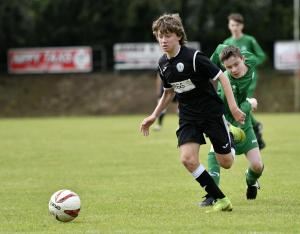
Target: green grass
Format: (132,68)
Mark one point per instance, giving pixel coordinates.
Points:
(132,184)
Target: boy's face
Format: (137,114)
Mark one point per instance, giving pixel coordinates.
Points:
(169,42)
(235,27)
(235,66)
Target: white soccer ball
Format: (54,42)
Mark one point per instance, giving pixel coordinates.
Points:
(64,205)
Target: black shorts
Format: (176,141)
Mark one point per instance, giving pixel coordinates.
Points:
(214,128)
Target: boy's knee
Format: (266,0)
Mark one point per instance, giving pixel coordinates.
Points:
(188,161)
(257,167)
(225,162)
(185,159)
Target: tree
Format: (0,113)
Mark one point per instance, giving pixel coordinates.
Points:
(36,23)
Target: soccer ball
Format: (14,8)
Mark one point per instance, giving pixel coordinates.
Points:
(64,205)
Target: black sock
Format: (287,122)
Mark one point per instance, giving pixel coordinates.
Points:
(160,118)
(210,186)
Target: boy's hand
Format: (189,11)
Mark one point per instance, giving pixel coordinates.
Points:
(146,123)
(238,115)
(253,103)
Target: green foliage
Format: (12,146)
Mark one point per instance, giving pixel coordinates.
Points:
(132,184)
(105,22)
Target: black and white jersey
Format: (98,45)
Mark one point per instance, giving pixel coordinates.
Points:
(189,74)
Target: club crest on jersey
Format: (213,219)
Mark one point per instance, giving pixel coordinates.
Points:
(179,67)
(243,48)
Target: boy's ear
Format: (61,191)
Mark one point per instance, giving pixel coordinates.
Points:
(180,37)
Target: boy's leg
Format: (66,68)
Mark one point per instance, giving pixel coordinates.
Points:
(222,141)
(213,167)
(160,119)
(214,171)
(189,157)
(253,120)
(236,135)
(253,172)
(257,127)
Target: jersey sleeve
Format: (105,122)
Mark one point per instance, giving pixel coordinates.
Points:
(165,84)
(251,59)
(220,92)
(245,106)
(215,57)
(257,50)
(205,67)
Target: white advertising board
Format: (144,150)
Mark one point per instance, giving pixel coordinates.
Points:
(139,56)
(286,55)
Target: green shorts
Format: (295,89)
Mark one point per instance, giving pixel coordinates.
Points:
(248,144)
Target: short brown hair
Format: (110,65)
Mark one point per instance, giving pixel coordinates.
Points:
(169,23)
(236,17)
(229,51)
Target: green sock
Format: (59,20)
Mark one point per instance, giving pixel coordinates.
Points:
(253,120)
(252,177)
(213,167)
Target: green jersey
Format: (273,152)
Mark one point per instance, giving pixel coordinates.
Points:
(249,43)
(215,57)
(240,88)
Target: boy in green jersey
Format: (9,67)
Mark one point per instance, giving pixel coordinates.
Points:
(240,71)
(249,43)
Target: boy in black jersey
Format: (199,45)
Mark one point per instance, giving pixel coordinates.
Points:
(189,73)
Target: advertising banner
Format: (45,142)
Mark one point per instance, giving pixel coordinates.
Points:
(139,56)
(287,55)
(50,60)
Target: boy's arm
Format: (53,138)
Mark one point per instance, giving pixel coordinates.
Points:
(249,105)
(259,53)
(158,84)
(234,109)
(253,103)
(215,56)
(166,98)
(163,103)
(246,107)
(215,59)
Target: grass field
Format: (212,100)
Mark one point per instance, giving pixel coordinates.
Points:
(132,184)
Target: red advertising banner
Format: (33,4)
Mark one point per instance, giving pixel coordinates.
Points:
(50,60)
